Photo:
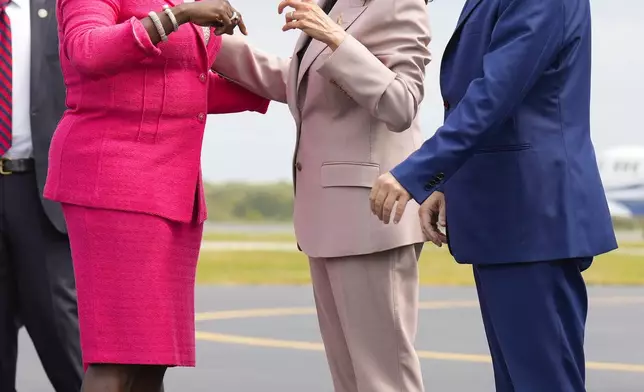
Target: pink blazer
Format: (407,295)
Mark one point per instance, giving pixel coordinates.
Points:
(131,138)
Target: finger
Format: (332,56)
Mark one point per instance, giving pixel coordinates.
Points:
(430,226)
(423,215)
(442,221)
(221,30)
(297,4)
(239,21)
(373,196)
(230,30)
(295,15)
(242,26)
(233,16)
(427,236)
(224,21)
(281,6)
(432,229)
(435,235)
(296,24)
(429,231)
(400,208)
(379,202)
(388,206)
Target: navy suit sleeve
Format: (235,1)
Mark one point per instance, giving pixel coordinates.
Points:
(525,41)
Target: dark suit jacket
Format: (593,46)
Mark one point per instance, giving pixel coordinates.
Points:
(514,157)
(47,94)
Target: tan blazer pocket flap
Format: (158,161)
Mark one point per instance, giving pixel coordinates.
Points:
(350,174)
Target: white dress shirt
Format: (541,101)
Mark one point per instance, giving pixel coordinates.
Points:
(18,11)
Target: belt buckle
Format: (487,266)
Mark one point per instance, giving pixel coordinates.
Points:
(2,170)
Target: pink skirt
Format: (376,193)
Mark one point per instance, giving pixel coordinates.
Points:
(135,276)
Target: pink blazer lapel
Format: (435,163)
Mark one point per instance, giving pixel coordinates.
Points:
(213,45)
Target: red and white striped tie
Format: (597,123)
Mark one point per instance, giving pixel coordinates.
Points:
(5,78)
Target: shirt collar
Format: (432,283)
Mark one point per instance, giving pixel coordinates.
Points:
(19,3)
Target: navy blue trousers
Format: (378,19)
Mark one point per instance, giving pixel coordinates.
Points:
(535,317)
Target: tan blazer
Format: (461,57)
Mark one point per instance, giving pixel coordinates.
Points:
(355,110)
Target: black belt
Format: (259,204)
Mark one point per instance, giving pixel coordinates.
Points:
(10,166)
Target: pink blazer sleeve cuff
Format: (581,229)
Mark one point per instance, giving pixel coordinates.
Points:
(104,50)
(225,96)
(143,38)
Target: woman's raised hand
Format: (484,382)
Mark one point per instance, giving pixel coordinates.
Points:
(308,17)
(216,13)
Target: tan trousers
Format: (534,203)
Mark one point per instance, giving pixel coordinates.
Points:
(367,308)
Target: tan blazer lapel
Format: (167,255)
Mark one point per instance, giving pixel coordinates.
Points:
(291,86)
(312,52)
(345,14)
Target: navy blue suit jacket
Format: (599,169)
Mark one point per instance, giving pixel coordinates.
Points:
(514,156)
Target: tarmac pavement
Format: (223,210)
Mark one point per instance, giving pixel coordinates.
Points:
(265,338)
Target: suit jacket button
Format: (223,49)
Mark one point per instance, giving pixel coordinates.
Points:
(298,166)
(201,116)
(202,78)
(440,176)
(446,105)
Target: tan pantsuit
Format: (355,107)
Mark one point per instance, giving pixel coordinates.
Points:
(368,311)
(355,110)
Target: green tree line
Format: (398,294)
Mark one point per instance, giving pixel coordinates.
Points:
(243,202)
(247,202)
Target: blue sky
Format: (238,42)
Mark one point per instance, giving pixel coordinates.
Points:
(252,147)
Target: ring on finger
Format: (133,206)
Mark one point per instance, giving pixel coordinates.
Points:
(291,15)
(234,17)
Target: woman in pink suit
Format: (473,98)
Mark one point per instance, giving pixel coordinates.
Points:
(125,163)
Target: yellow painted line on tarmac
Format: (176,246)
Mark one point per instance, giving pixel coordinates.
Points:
(253,313)
(616,367)
(304,311)
(617,300)
(448,304)
(432,355)
(259,342)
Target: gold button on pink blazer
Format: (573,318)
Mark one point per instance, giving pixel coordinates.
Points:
(356,115)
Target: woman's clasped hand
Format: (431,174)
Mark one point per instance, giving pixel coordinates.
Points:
(216,13)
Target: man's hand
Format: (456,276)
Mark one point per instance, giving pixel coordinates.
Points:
(432,218)
(384,194)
